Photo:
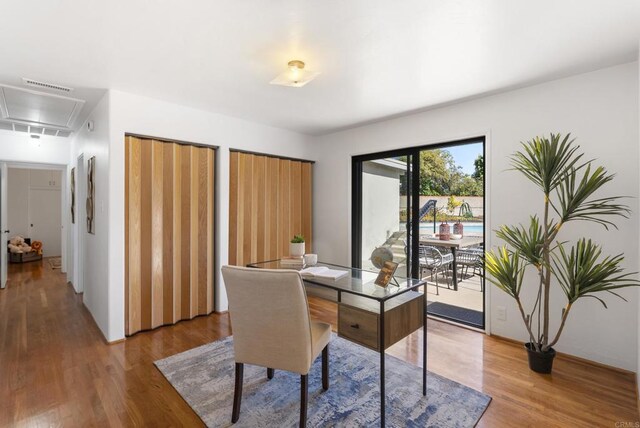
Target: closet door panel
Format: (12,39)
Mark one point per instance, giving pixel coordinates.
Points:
(134,279)
(169,223)
(306,199)
(168,312)
(157,235)
(269,202)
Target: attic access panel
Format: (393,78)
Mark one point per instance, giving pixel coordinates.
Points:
(38,108)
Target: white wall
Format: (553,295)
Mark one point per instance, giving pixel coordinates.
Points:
(95,271)
(130,113)
(19,147)
(599,108)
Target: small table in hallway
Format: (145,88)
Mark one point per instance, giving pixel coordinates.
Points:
(454,245)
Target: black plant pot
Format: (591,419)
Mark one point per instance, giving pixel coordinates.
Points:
(540,362)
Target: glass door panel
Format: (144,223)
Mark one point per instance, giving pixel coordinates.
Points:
(385,213)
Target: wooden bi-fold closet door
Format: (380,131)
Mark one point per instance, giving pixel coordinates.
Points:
(169,226)
(269,202)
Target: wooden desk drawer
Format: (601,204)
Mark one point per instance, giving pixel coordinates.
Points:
(358,325)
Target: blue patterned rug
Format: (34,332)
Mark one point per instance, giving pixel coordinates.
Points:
(204,377)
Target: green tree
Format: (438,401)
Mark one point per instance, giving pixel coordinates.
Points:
(478,165)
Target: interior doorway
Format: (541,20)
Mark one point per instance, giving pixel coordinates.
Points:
(32,216)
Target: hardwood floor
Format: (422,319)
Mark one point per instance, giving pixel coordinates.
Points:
(55,368)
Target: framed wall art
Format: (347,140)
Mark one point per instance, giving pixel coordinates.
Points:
(91,193)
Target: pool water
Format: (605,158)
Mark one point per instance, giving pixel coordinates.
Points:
(468,227)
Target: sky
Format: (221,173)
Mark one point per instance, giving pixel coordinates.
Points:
(465,154)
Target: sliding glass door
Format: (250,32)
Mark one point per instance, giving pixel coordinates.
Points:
(423,208)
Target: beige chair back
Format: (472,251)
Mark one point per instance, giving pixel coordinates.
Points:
(269,317)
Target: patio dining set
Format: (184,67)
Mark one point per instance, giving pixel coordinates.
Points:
(457,257)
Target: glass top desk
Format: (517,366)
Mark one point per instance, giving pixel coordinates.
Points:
(378,317)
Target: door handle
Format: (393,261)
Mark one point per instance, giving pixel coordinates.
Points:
(6,231)
(355,326)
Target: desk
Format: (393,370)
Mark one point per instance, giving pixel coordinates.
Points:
(454,244)
(359,282)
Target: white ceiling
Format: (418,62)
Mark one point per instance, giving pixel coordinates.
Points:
(377,58)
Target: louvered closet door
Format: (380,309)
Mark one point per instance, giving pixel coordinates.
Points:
(169,196)
(269,202)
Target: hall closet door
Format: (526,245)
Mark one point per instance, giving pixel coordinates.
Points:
(269,203)
(169,232)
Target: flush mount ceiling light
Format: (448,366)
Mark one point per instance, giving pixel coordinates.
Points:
(295,76)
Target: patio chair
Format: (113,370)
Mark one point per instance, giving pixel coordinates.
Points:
(434,261)
(471,258)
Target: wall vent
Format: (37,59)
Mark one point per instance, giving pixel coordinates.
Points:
(39,84)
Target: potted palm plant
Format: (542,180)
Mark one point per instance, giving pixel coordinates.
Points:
(568,185)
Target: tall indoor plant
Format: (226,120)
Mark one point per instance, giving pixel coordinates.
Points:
(568,184)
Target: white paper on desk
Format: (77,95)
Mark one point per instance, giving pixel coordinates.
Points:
(323,272)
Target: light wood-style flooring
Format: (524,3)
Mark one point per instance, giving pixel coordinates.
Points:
(56,369)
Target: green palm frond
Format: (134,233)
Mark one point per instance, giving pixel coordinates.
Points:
(573,198)
(528,242)
(506,270)
(546,161)
(582,271)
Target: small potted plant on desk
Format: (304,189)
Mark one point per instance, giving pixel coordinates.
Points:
(568,185)
(297,247)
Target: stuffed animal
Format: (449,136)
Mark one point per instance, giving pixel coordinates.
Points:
(37,247)
(17,245)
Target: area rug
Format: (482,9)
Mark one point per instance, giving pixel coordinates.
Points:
(467,316)
(204,377)
(55,262)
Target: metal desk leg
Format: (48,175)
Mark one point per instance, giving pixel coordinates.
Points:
(381,344)
(455,269)
(424,344)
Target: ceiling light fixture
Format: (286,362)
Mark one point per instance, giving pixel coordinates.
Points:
(295,76)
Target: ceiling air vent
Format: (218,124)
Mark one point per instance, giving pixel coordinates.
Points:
(38,84)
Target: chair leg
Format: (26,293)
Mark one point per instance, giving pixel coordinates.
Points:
(237,393)
(270,373)
(304,395)
(325,367)
(437,285)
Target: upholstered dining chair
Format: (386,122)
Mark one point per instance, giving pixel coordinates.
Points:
(272,328)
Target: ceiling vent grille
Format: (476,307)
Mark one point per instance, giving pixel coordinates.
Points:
(38,84)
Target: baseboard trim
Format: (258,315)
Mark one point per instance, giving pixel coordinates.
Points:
(570,357)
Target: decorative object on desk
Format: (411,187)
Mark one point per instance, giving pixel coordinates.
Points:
(568,184)
(455,236)
(73,195)
(91,194)
(292,262)
(380,256)
(323,272)
(386,273)
(445,231)
(310,259)
(296,247)
(203,376)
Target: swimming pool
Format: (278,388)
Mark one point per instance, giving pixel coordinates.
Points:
(473,227)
